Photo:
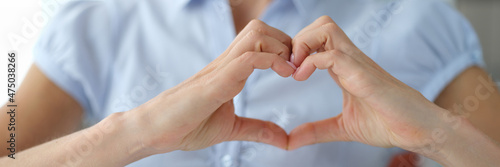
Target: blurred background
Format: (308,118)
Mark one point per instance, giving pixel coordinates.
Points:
(14,14)
(485,17)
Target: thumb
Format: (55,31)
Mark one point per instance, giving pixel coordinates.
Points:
(328,130)
(248,129)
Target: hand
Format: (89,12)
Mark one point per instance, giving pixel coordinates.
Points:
(199,112)
(378,109)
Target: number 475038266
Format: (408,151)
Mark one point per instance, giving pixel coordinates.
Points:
(11,77)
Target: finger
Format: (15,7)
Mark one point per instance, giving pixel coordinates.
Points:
(259,42)
(263,28)
(327,130)
(231,78)
(354,76)
(317,23)
(340,64)
(247,129)
(325,37)
(240,68)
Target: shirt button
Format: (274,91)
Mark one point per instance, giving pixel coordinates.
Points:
(221,7)
(227,160)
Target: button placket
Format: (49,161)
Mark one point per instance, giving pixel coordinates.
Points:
(221,26)
(227,160)
(222,9)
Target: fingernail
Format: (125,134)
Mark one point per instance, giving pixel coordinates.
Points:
(292,65)
(292,58)
(297,70)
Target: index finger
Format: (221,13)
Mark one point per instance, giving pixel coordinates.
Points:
(328,36)
(232,77)
(265,29)
(317,23)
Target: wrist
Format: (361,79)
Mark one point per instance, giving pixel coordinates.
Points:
(120,133)
(437,132)
(444,140)
(155,131)
(458,143)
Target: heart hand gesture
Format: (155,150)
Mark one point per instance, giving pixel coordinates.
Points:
(376,105)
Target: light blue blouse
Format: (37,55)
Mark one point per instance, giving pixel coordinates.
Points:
(114,55)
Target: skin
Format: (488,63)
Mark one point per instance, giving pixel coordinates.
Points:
(193,115)
(202,133)
(244,11)
(485,116)
(40,118)
(380,110)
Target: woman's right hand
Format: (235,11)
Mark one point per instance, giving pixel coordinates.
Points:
(199,112)
(193,115)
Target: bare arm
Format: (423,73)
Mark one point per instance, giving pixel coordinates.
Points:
(380,110)
(44,112)
(111,142)
(475,96)
(195,114)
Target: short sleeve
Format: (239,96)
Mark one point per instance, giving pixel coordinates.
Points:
(427,45)
(73,51)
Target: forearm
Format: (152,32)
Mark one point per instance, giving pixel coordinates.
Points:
(111,142)
(467,146)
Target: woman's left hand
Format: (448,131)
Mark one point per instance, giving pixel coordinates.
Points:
(378,109)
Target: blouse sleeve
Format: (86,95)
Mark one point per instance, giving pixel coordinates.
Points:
(73,51)
(435,44)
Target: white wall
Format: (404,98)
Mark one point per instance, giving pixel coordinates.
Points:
(12,14)
(21,22)
(484,16)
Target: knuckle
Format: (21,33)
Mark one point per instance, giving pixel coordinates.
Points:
(297,41)
(256,24)
(257,38)
(254,35)
(331,27)
(247,57)
(285,39)
(333,56)
(283,50)
(325,19)
(259,26)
